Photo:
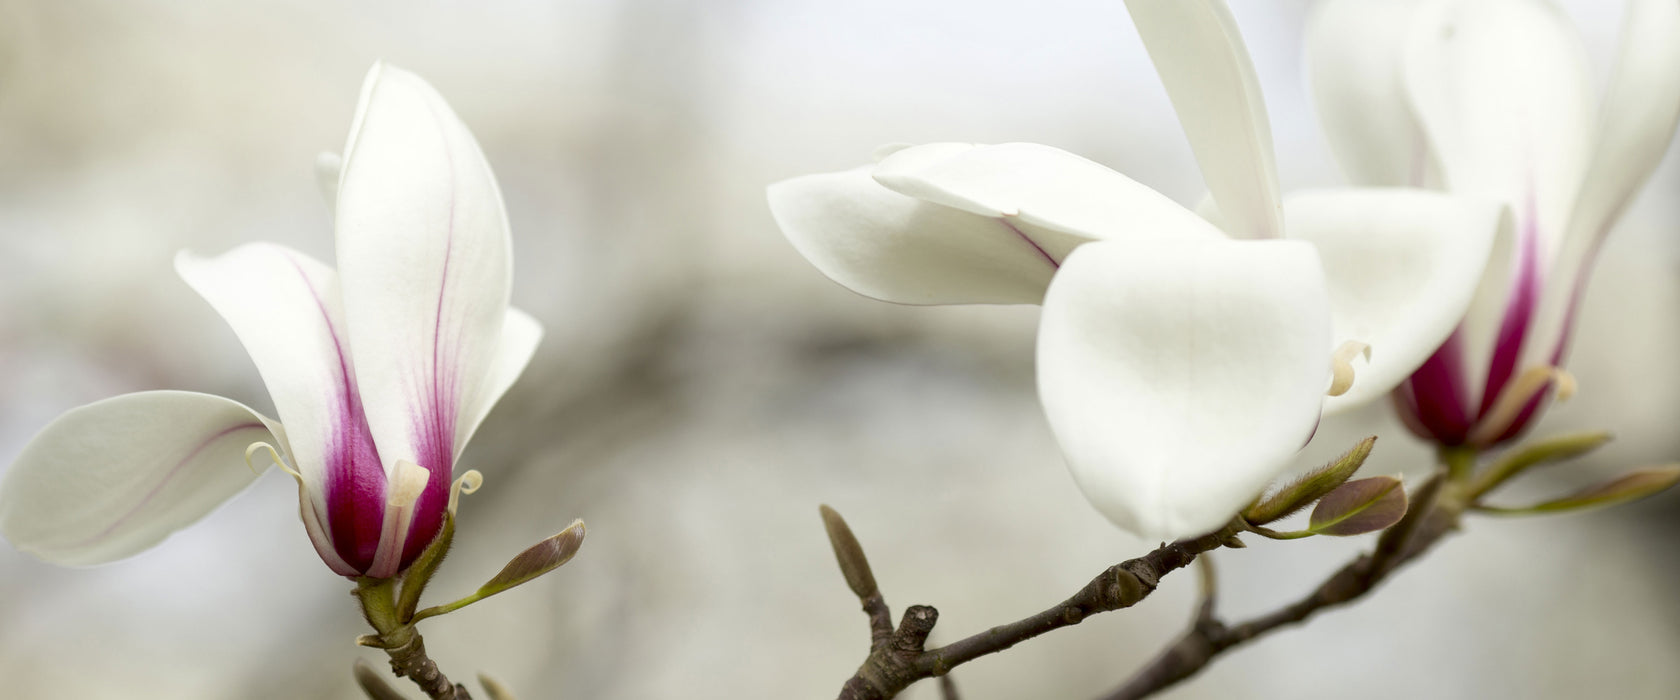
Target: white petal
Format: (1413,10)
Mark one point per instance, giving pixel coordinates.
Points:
(115,477)
(1403,266)
(1056,197)
(1638,117)
(1353,56)
(1210,79)
(885,245)
(520,335)
(423,254)
(1637,122)
(1180,377)
(887,149)
(1502,89)
(284,306)
(328,166)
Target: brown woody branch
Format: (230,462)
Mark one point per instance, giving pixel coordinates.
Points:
(410,661)
(1435,513)
(898,658)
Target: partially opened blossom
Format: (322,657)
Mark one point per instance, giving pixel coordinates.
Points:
(1181,363)
(380,371)
(1494,98)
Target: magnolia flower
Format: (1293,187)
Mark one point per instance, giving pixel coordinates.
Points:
(380,371)
(1493,98)
(1181,364)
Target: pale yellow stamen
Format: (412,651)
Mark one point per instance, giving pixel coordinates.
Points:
(468,483)
(404,489)
(409,482)
(272,454)
(1509,406)
(1341,365)
(313,523)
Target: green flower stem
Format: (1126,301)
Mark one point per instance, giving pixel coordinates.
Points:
(401,641)
(1460,462)
(1269,533)
(1553,449)
(436,610)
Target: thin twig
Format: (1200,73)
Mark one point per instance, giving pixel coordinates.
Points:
(900,657)
(1433,515)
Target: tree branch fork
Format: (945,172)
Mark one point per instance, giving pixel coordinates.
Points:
(899,657)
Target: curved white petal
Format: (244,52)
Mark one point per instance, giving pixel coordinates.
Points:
(1503,90)
(424,260)
(1637,122)
(520,335)
(328,166)
(885,245)
(1056,197)
(1479,334)
(1403,266)
(1353,56)
(1179,377)
(1638,117)
(284,306)
(115,477)
(887,149)
(1206,69)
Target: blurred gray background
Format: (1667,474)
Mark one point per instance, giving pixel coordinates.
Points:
(702,388)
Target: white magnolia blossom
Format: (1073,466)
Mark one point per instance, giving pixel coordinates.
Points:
(380,370)
(1181,363)
(1494,98)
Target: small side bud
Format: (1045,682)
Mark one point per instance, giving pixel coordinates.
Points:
(370,640)
(1310,487)
(1627,487)
(496,689)
(541,558)
(1358,507)
(372,684)
(853,564)
(1128,588)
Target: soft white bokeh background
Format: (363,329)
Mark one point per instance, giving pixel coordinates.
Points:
(702,389)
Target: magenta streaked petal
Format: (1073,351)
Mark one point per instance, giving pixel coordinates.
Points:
(355,489)
(428,519)
(1437,390)
(285,307)
(1405,406)
(314,524)
(1524,298)
(423,247)
(1638,115)
(1577,289)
